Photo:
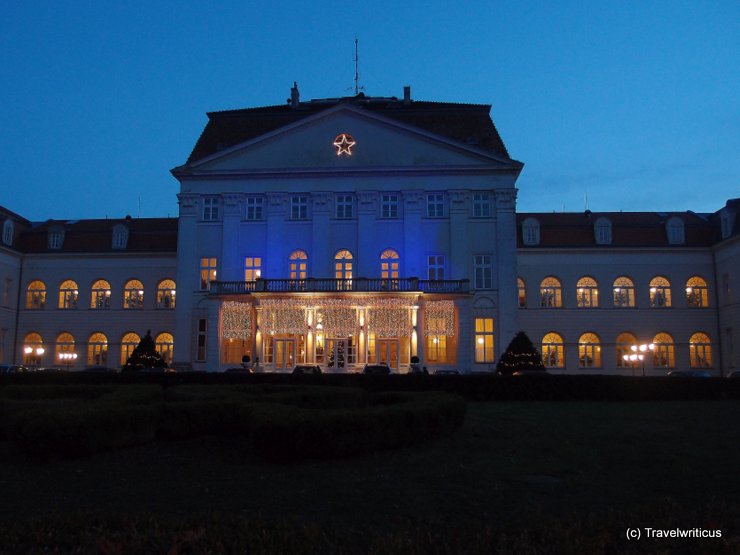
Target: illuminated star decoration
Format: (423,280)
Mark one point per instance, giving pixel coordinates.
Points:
(344,144)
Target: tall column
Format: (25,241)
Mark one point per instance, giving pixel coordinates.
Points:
(506,268)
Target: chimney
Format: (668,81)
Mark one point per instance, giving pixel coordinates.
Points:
(295,96)
(407,95)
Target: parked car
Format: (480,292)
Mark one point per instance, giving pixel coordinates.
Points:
(381,369)
(734,374)
(13,368)
(307,369)
(447,372)
(690,373)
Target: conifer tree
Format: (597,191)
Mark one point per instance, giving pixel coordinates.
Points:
(521,354)
(145,355)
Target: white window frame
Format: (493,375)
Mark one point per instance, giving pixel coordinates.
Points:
(8,232)
(435,205)
(252,268)
(254,208)
(483,271)
(389,205)
(436,267)
(299,207)
(344,207)
(482,205)
(211,210)
(207,272)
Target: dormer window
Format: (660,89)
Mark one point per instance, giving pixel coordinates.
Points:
(120,237)
(56,238)
(603,231)
(675,231)
(726,224)
(531,232)
(8,232)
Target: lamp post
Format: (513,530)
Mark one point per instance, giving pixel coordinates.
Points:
(67,359)
(635,356)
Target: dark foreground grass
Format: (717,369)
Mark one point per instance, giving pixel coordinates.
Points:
(518,478)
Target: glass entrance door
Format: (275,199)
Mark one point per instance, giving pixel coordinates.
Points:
(284,354)
(388,352)
(341,353)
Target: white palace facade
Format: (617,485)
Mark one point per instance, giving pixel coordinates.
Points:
(358,230)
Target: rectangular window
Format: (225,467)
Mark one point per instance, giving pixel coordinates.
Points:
(207,273)
(210,209)
(200,355)
(484,340)
(344,207)
(483,271)
(6,292)
(435,205)
(299,208)
(254,208)
(389,206)
(436,267)
(481,205)
(252,268)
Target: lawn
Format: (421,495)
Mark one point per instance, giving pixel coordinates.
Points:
(570,469)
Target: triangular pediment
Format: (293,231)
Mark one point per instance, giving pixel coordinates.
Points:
(379,142)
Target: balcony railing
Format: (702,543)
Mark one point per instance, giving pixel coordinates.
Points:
(328,285)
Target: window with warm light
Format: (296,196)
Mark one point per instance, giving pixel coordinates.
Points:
(551,293)
(587,293)
(483,271)
(298,264)
(522,292)
(299,207)
(133,294)
(664,355)
(207,272)
(589,351)
(344,207)
(343,269)
(36,295)
(165,345)
(211,209)
(697,294)
(128,344)
(484,340)
(389,268)
(100,295)
(252,268)
(68,294)
(435,267)
(33,349)
(65,349)
(700,351)
(254,208)
(166,294)
(553,353)
(624,292)
(481,205)
(97,350)
(389,205)
(435,205)
(660,292)
(625,342)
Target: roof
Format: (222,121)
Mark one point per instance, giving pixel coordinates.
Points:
(468,123)
(629,229)
(96,236)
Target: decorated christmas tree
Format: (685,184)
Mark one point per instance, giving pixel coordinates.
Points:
(521,354)
(145,355)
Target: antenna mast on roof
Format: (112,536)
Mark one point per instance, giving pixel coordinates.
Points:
(356,59)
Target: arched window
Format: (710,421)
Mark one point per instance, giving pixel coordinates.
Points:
(675,231)
(551,293)
(8,232)
(700,351)
(588,293)
(603,231)
(389,269)
(133,294)
(343,270)
(624,292)
(65,349)
(531,232)
(589,351)
(697,295)
(165,344)
(97,350)
(522,288)
(660,292)
(166,294)
(298,265)
(553,354)
(100,294)
(68,294)
(624,344)
(36,295)
(664,355)
(128,344)
(33,349)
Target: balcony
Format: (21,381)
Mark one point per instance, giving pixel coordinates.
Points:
(328,285)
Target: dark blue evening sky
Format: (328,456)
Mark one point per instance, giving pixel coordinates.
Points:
(634,104)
